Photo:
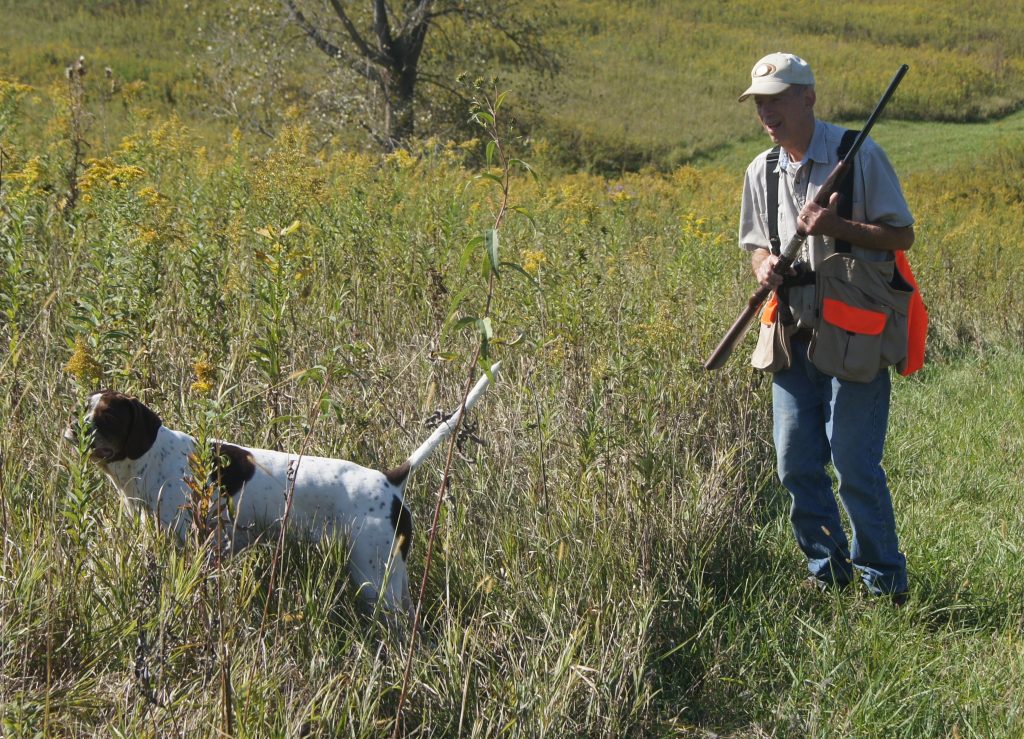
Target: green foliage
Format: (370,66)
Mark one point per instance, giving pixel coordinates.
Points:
(657,81)
(640,83)
(615,560)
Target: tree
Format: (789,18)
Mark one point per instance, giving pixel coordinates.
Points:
(423,42)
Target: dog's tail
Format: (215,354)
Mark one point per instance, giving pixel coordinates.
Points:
(447,426)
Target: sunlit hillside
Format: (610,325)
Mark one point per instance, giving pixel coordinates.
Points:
(648,82)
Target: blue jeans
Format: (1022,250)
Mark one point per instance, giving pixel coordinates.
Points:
(821,419)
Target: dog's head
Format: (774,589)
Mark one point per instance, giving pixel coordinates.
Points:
(117,426)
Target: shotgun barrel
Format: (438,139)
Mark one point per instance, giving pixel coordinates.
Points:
(832,183)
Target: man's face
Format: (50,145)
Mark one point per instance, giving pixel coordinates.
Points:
(788,117)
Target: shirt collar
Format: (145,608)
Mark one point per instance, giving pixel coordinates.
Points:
(817,152)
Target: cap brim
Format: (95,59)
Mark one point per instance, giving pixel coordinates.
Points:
(764,87)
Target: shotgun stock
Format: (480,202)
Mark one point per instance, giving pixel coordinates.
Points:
(835,178)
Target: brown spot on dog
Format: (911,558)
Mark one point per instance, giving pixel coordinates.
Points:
(401,520)
(233,466)
(397,476)
(124,427)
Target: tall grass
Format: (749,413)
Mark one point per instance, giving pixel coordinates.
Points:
(174,260)
(611,561)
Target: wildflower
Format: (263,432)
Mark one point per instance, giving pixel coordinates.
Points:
(401,158)
(131,90)
(170,137)
(100,172)
(695,227)
(532,260)
(205,375)
(30,175)
(149,195)
(618,194)
(82,365)
(9,88)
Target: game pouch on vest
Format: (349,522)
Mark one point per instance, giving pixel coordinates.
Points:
(773,352)
(862,317)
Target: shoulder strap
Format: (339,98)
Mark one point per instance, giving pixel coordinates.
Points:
(771,189)
(846,187)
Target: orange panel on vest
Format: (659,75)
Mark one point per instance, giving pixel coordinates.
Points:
(855,320)
(771,310)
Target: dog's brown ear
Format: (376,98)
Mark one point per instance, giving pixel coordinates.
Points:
(143,430)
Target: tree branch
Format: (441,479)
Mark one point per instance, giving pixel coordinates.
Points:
(382,28)
(418,18)
(336,52)
(365,49)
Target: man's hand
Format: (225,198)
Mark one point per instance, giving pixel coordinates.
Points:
(816,220)
(763,263)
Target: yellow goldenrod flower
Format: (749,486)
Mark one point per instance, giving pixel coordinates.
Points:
(82,365)
(533,259)
(205,375)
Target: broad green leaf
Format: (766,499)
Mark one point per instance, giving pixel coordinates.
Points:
(516,268)
(468,250)
(465,321)
(484,363)
(490,176)
(491,238)
(290,229)
(524,212)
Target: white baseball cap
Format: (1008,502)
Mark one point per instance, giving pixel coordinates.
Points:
(776,72)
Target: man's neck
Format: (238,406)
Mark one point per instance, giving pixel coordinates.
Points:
(797,149)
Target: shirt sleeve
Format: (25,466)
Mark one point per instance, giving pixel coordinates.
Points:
(882,198)
(753,233)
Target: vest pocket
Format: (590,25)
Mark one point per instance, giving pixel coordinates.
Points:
(848,342)
(862,313)
(774,351)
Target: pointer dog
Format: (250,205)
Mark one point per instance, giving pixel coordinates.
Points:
(149,464)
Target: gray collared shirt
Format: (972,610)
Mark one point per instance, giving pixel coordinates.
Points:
(877,198)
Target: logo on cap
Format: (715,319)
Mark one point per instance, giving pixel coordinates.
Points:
(763,70)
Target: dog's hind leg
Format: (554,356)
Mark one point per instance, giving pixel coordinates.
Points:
(379,574)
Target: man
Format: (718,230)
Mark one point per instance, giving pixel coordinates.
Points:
(818,418)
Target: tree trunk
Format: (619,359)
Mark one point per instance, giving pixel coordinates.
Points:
(399,122)
(399,108)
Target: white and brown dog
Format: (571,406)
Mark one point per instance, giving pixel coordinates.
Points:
(149,463)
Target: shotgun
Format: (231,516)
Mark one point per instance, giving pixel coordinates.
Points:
(739,328)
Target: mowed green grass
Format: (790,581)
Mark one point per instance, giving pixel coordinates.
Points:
(658,81)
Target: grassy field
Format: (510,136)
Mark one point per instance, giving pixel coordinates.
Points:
(651,82)
(614,559)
